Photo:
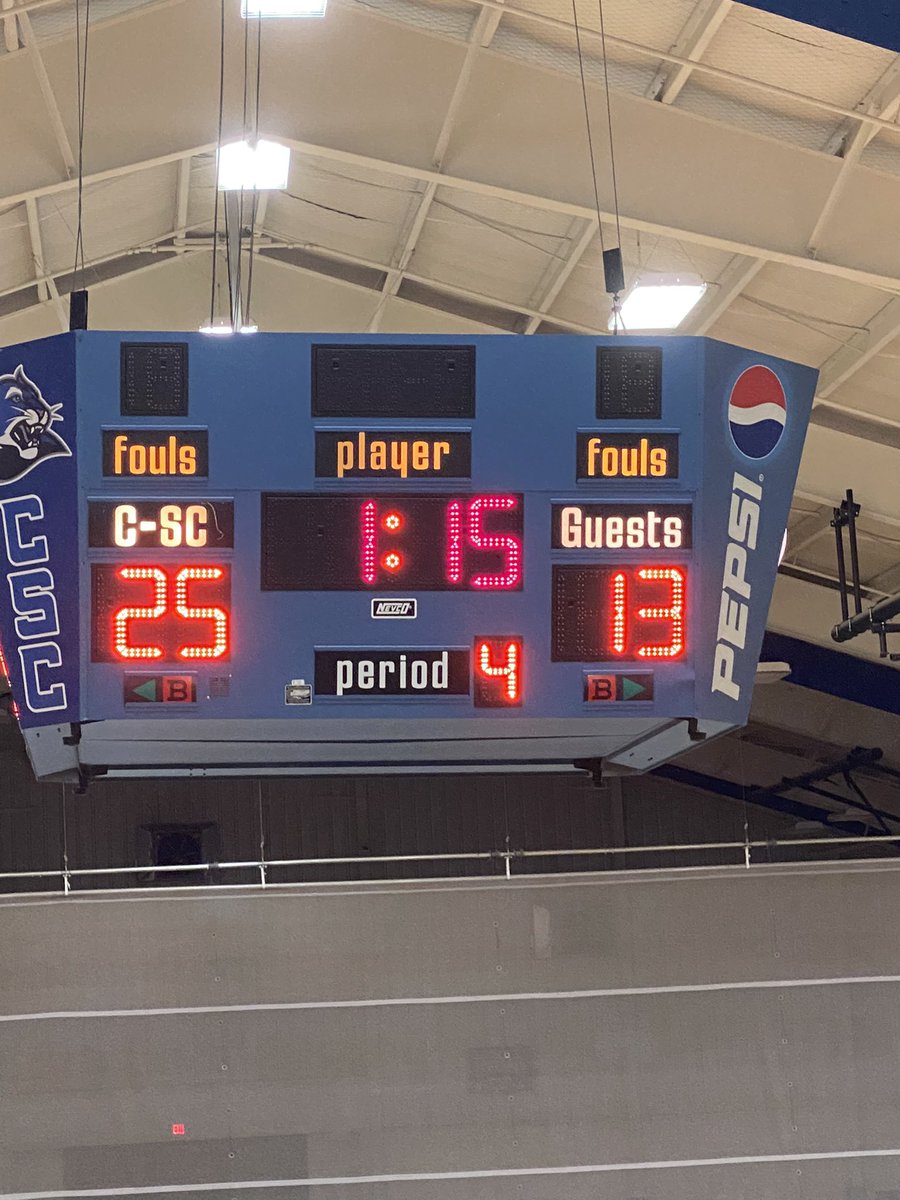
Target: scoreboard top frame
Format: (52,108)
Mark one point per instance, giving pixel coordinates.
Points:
(522,461)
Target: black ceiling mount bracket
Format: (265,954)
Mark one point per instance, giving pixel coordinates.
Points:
(878,618)
(594,767)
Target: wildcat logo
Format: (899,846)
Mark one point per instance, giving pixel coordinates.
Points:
(27,421)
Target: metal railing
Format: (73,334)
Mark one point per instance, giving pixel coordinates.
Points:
(507,858)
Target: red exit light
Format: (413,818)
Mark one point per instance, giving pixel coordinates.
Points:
(177,1131)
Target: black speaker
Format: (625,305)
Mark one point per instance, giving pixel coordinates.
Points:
(78,310)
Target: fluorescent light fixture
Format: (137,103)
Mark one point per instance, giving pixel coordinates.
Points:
(222,328)
(242,167)
(658,302)
(283,8)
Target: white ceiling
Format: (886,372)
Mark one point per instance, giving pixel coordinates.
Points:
(441,183)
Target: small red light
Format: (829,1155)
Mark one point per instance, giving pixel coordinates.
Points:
(177,1131)
(392,521)
(392,561)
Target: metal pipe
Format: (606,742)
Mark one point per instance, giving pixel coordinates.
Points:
(572,852)
(854,552)
(870,618)
(234,237)
(841,564)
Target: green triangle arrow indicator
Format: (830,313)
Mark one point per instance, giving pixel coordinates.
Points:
(631,688)
(146,690)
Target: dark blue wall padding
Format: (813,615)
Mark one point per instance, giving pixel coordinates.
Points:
(834,672)
(875,21)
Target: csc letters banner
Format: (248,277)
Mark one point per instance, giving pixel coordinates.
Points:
(38,539)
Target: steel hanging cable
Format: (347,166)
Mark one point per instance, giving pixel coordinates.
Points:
(609,122)
(587,122)
(212,294)
(81,55)
(249,320)
(245,133)
(613,269)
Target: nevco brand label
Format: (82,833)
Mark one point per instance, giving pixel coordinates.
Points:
(392,673)
(627,455)
(389,454)
(385,610)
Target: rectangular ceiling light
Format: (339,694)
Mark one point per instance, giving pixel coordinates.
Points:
(658,302)
(283,8)
(243,167)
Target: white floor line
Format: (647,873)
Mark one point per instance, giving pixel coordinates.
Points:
(678,1164)
(672,989)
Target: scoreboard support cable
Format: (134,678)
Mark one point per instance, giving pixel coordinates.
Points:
(302,554)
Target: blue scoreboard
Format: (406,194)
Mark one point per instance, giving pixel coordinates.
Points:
(296,553)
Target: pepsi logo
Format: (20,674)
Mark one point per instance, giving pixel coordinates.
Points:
(757,412)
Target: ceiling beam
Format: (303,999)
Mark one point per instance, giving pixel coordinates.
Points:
(860,349)
(26,6)
(47,289)
(651,52)
(10,29)
(699,30)
(888,283)
(483,29)
(886,581)
(40,70)
(880,101)
(264,249)
(806,532)
(558,24)
(182,200)
(548,204)
(426,175)
(558,274)
(483,299)
(406,247)
(737,275)
(851,140)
